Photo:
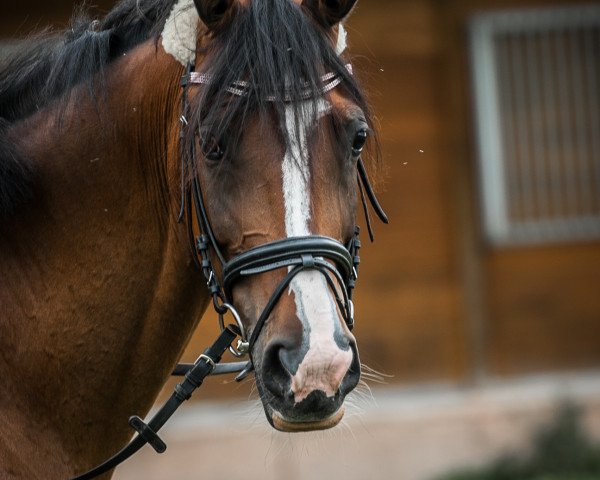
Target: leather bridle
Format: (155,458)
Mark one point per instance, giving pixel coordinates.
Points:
(322,254)
(338,263)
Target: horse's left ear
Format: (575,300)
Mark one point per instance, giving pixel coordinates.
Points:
(329,12)
(215,14)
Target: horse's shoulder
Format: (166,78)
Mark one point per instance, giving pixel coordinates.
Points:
(13,465)
(20,455)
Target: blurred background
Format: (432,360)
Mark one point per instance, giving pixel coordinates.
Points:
(480,302)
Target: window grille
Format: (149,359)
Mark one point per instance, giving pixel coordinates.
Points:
(537,100)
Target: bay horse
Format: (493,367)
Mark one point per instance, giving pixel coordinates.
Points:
(103,152)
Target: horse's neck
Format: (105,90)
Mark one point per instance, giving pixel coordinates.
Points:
(98,295)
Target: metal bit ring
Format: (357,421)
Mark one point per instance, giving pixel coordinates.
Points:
(243,346)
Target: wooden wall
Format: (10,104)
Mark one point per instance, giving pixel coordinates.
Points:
(434,302)
(458,309)
(531,309)
(410,322)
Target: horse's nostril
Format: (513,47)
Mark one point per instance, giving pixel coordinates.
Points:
(289,361)
(352,377)
(275,369)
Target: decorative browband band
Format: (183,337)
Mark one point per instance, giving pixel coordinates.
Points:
(240,87)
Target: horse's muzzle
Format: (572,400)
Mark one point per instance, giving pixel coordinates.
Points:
(309,399)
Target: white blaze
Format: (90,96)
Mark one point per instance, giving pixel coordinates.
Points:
(325,364)
(296,173)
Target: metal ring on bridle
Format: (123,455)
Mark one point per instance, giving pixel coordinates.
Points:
(243,347)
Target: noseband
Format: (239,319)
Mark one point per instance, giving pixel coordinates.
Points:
(322,254)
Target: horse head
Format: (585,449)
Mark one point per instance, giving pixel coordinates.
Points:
(275,127)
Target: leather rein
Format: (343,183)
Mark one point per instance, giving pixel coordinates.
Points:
(337,262)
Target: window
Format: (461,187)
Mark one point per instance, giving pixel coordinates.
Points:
(537,102)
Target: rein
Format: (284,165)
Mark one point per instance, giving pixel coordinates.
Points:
(203,366)
(337,262)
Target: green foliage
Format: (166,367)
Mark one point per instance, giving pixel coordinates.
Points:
(562,452)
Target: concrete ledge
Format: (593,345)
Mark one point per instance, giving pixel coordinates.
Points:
(403,433)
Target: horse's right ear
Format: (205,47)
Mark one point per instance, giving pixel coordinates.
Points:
(216,14)
(329,12)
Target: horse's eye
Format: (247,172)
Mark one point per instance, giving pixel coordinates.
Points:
(360,138)
(211,148)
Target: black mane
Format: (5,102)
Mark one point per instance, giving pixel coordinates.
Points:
(280,52)
(48,65)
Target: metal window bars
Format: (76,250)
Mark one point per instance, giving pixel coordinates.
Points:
(536,77)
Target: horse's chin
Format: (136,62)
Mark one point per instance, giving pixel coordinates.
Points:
(283,425)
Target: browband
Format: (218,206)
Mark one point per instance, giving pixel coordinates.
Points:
(240,87)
